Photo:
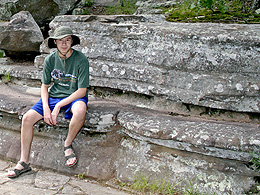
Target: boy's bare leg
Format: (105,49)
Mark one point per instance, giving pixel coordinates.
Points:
(28,121)
(79,110)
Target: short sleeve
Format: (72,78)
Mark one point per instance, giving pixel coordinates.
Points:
(83,74)
(46,76)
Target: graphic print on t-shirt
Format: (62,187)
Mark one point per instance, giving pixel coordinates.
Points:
(57,74)
(64,79)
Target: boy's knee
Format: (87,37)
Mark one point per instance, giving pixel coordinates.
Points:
(80,112)
(30,118)
(26,118)
(79,109)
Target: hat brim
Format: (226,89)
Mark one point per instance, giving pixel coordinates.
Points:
(51,43)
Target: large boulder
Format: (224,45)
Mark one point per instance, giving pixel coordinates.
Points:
(21,37)
(42,11)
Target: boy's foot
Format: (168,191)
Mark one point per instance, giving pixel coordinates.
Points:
(71,158)
(19,169)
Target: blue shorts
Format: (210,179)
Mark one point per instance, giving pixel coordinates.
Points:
(53,101)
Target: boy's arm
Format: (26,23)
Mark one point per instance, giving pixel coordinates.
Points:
(45,104)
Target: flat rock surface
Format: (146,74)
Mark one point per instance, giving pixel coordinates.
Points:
(15,99)
(45,182)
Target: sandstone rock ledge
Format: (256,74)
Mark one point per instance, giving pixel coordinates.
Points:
(202,64)
(121,141)
(210,65)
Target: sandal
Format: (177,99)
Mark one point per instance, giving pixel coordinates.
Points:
(70,156)
(26,168)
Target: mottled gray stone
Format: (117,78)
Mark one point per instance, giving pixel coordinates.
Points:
(3,178)
(9,103)
(153,6)
(22,36)
(106,2)
(42,11)
(198,136)
(161,164)
(50,180)
(17,188)
(132,141)
(46,182)
(211,65)
(92,189)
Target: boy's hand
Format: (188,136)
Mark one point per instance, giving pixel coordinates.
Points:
(48,117)
(55,114)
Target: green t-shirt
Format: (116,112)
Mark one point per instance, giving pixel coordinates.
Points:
(67,75)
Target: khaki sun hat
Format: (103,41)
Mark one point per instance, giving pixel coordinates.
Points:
(61,32)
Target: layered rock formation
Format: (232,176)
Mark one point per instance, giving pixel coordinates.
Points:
(165,67)
(120,141)
(210,65)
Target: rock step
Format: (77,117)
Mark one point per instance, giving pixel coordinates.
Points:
(230,140)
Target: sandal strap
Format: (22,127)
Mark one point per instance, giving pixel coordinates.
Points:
(68,147)
(70,156)
(25,166)
(17,172)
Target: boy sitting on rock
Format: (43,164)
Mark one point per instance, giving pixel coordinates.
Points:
(69,71)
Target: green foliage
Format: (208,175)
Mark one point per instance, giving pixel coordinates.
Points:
(212,112)
(255,160)
(164,187)
(207,4)
(125,7)
(1,53)
(88,3)
(222,6)
(214,5)
(225,11)
(191,189)
(143,184)
(253,190)
(81,176)
(7,77)
(122,3)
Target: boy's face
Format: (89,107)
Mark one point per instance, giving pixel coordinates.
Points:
(64,44)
